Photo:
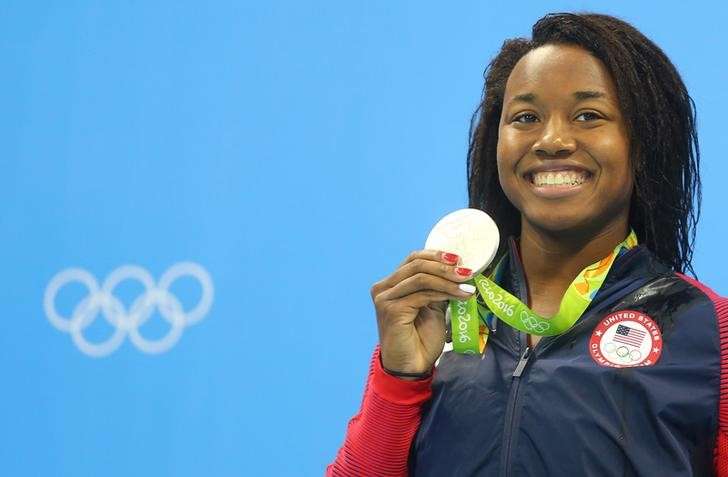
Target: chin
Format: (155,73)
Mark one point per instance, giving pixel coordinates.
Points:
(566,223)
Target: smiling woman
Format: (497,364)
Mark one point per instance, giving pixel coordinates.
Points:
(585,153)
(563,149)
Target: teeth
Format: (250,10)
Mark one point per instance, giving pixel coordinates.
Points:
(559,178)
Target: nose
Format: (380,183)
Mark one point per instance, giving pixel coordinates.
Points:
(555,139)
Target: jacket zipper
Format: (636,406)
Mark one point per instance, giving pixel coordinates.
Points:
(518,278)
(510,413)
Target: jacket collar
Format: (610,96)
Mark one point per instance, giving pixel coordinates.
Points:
(636,262)
(631,269)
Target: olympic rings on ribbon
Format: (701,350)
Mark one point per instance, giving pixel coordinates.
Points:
(534,325)
(101,300)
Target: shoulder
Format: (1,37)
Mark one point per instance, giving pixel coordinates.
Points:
(668,291)
(705,289)
(719,303)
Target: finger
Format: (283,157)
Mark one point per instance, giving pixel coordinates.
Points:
(434,255)
(425,281)
(435,262)
(424,298)
(430,267)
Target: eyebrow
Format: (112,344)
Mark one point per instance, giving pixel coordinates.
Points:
(578,95)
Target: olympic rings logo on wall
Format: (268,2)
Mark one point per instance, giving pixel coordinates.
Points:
(101,301)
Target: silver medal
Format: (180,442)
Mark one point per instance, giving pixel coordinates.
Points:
(470,233)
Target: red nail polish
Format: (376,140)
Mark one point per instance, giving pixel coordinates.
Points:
(463,271)
(450,257)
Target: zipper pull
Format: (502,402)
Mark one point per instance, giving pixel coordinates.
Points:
(522,362)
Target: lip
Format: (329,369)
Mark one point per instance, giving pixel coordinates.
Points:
(557,191)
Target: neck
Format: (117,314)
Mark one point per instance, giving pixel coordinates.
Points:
(551,260)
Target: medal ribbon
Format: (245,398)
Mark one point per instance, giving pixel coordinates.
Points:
(465,316)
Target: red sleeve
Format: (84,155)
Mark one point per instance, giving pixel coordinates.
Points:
(720,451)
(378,438)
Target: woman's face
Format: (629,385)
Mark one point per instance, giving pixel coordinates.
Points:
(563,147)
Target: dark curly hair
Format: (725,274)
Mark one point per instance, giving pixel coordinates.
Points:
(660,119)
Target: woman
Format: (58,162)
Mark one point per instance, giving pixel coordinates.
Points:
(585,134)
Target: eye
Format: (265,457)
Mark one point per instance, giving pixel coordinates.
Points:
(528,116)
(591,114)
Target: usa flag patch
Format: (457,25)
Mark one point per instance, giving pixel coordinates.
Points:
(626,339)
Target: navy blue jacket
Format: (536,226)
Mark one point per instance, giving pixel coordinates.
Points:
(554,411)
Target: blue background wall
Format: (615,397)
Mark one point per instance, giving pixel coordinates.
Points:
(297,151)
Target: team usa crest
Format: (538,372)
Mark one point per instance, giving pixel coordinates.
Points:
(626,339)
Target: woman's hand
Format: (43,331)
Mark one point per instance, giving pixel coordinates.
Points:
(410,305)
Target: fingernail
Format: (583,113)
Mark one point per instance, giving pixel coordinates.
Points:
(466,287)
(450,257)
(463,271)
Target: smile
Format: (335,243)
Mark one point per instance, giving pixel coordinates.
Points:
(554,184)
